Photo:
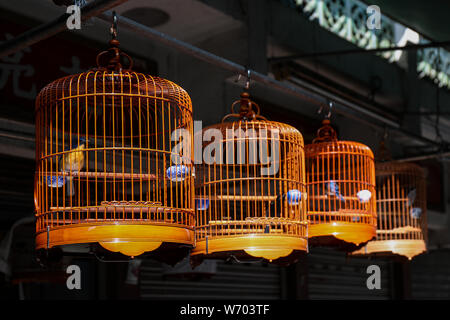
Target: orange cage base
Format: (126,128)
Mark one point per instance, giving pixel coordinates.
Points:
(344,235)
(128,239)
(273,248)
(406,248)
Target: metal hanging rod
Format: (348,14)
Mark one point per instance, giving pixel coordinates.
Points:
(54,27)
(358,51)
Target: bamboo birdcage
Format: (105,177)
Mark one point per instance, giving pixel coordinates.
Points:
(341,191)
(242,211)
(401,208)
(106,172)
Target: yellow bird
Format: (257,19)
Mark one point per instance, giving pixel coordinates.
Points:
(73,162)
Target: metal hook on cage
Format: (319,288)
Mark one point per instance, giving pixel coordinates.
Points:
(113,29)
(113,54)
(326,132)
(330,106)
(247,82)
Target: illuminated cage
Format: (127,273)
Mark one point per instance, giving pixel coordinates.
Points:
(250,196)
(341,191)
(401,209)
(105,169)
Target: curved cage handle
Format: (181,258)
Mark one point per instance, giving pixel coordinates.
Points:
(325,133)
(114,62)
(329,106)
(246,111)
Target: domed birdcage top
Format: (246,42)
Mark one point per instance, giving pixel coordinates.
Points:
(249,117)
(327,141)
(111,77)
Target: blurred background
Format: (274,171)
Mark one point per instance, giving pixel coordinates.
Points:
(318,46)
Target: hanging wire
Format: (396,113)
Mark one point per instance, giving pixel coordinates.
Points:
(330,106)
(249,110)
(247,82)
(384,153)
(385,134)
(113,29)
